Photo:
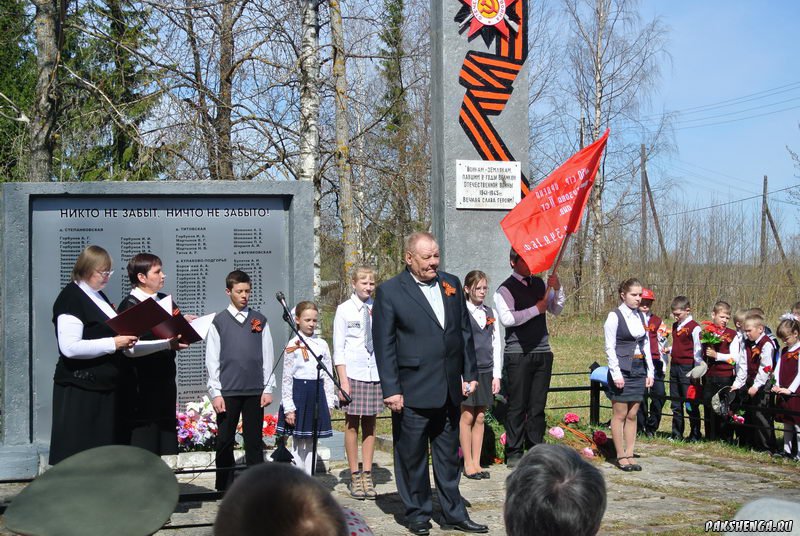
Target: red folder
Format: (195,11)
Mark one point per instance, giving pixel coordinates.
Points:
(150,316)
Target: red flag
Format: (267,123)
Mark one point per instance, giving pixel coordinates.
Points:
(536,227)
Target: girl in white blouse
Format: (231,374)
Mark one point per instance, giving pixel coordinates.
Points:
(630,369)
(300,389)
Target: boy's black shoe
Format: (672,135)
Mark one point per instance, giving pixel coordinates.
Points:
(420,528)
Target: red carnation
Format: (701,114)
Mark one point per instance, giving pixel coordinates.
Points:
(599,437)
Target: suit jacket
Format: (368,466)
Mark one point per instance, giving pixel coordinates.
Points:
(416,357)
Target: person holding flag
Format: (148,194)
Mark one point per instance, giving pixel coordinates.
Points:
(521,302)
(538,229)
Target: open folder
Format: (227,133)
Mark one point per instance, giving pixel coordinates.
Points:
(156,317)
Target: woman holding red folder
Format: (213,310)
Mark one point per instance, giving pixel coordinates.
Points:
(90,365)
(150,392)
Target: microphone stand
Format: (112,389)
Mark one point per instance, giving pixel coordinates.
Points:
(287,317)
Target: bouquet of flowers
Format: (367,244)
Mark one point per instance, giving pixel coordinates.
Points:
(711,333)
(590,443)
(197,427)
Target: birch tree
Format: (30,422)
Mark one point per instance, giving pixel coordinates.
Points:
(309,115)
(614,64)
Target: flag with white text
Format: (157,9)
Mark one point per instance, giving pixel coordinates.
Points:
(536,227)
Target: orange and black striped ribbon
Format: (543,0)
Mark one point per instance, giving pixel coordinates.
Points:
(489,79)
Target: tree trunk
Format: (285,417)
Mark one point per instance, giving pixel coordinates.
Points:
(201,106)
(121,138)
(350,231)
(309,114)
(596,198)
(225,103)
(47,30)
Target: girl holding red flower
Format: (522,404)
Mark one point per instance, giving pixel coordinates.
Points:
(488,351)
(630,369)
(787,385)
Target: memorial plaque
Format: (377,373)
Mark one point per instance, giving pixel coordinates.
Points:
(199,241)
(482,184)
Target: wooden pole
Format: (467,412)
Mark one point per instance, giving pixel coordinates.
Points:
(656,223)
(643,237)
(780,246)
(661,245)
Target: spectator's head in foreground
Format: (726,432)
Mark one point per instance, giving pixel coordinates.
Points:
(554,491)
(277,498)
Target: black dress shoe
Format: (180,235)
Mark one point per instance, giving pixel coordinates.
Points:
(473,476)
(628,467)
(421,528)
(485,475)
(467,525)
(512,461)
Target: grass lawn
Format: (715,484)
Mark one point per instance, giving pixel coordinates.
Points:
(577,342)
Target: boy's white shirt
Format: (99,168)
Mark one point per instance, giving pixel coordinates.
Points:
(766,360)
(213,347)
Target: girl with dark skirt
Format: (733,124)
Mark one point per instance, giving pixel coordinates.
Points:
(88,373)
(150,393)
(787,387)
(488,351)
(300,388)
(630,369)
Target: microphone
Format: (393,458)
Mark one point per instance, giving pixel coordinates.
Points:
(282,300)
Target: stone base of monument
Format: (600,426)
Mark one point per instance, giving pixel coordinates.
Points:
(329,449)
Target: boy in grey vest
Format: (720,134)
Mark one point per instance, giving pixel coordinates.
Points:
(239,362)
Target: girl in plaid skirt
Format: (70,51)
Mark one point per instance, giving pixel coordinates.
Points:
(354,358)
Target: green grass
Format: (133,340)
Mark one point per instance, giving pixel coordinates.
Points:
(577,342)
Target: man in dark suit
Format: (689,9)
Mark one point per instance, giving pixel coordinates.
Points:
(426,361)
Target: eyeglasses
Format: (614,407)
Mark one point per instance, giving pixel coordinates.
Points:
(108,273)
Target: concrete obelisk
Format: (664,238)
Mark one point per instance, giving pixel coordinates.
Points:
(479,89)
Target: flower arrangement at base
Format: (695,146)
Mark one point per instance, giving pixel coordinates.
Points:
(197,427)
(587,441)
